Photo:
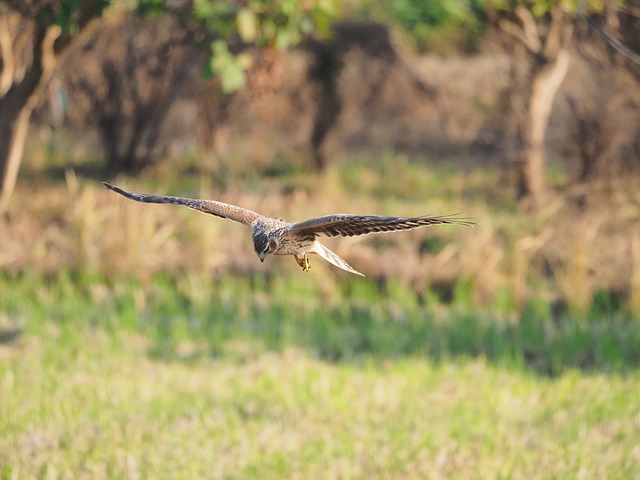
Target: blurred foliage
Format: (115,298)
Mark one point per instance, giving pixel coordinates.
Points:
(231,27)
(442,26)
(276,24)
(228,27)
(542,7)
(451,26)
(68,13)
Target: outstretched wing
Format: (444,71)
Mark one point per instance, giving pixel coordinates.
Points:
(351,225)
(219,209)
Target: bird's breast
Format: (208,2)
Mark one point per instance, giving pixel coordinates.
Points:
(292,245)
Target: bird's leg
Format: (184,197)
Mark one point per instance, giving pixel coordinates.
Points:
(303,262)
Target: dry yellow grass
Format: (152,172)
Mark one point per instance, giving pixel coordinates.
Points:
(562,253)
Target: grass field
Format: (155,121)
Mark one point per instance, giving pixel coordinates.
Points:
(140,341)
(125,381)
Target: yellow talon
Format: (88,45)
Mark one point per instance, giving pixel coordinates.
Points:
(303,262)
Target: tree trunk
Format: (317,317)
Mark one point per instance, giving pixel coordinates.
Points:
(548,55)
(16,107)
(14,125)
(545,82)
(30,45)
(323,72)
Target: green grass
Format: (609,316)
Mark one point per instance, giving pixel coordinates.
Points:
(358,320)
(110,411)
(264,378)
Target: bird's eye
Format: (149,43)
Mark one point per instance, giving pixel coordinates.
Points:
(272,246)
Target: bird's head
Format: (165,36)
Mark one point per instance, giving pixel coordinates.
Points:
(263,245)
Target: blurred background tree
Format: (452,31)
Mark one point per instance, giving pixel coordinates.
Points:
(141,58)
(35,33)
(214,98)
(545,30)
(443,26)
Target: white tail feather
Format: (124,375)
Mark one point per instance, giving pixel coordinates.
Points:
(332,258)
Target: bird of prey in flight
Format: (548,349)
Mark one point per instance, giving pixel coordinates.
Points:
(272,236)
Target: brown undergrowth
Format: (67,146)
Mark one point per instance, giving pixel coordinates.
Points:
(569,254)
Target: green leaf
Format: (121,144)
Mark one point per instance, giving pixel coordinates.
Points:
(151,7)
(247,24)
(232,77)
(283,39)
(539,9)
(245,60)
(229,68)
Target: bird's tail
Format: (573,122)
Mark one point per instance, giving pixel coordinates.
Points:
(334,259)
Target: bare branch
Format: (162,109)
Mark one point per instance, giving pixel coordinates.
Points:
(559,34)
(617,44)
(525,32)
(15,38)
(530,29)
(514,30)
(6,55)
(626,9)
(552,41)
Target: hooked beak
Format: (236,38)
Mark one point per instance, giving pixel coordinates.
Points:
(261,255)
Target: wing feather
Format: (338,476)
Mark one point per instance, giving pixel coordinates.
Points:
(219,209)
(351,225)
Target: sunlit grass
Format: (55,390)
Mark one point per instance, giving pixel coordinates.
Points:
(138,341)
(359,321)
(78,402)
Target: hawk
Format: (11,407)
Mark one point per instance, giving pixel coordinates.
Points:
(272,236)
